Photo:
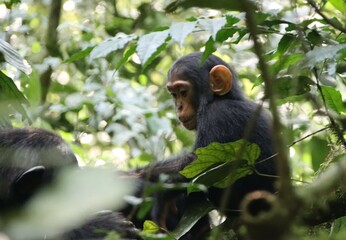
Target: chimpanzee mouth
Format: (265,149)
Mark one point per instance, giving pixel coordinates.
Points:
(188,123)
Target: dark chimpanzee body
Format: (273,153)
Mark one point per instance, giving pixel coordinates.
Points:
(209,101)
(99,226)
(29,159)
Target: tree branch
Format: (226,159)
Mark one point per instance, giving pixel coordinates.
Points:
(51,45)
(285,187)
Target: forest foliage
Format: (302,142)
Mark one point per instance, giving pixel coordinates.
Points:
(95,71)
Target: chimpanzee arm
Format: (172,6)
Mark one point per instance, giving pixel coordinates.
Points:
(169,166)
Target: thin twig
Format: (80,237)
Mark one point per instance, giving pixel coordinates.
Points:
(307,136)
(325,18)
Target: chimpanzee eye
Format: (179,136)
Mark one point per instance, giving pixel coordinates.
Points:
(183,93)
(174,95)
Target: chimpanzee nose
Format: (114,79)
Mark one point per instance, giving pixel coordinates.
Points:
(179,107)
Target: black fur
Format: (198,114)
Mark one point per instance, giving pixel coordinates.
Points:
(24,149)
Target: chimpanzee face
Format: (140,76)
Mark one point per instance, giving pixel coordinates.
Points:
(183,96)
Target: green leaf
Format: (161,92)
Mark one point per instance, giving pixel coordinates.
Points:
(217,153)
(285,42)
(228,29)
(333,99)
(32,89)
(237,173)
(79,55)
(111,45)
(287,87)
(10,3)
(150,45)
(339,5)
(315,37)
(231,20)
(230,172)
(10,94)
(144,208)
(339,226)
(179,31)
(127,55)
(319,151)
(209,49)
(191,216)
(320,54)
(150,227)
(12,57)
(212,25)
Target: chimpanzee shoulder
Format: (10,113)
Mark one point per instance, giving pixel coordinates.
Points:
(227,121)
(29,137)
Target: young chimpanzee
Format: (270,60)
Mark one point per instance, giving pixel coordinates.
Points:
(208,100)
(29,159)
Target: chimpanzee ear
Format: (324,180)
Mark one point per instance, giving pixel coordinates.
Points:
(27,183)
(221,79)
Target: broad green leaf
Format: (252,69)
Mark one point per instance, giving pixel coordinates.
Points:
(251,152)
(10,95)
(191,216)
(150,45)
(213,154)
(239,172)
(319,150)
(333,99)
(144,208)
(33,90)
(339,4)
(315,37)
(12,57)
(228,29)
(209,49)
(150,227)
(225,174)
(339,226)
(10,3)
(320,54)
(179,31)
(212,25)
(285,42)
(289,60)
(79,55)
(217,153)
(231,20)
(111,45)
(287,87)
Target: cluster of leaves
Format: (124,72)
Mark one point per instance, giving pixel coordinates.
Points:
(305,55)
(220,165)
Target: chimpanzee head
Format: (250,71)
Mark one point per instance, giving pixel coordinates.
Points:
(194,85)
(28,159)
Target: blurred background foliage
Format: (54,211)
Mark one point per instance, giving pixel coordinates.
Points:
(94,71)
(99,79)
